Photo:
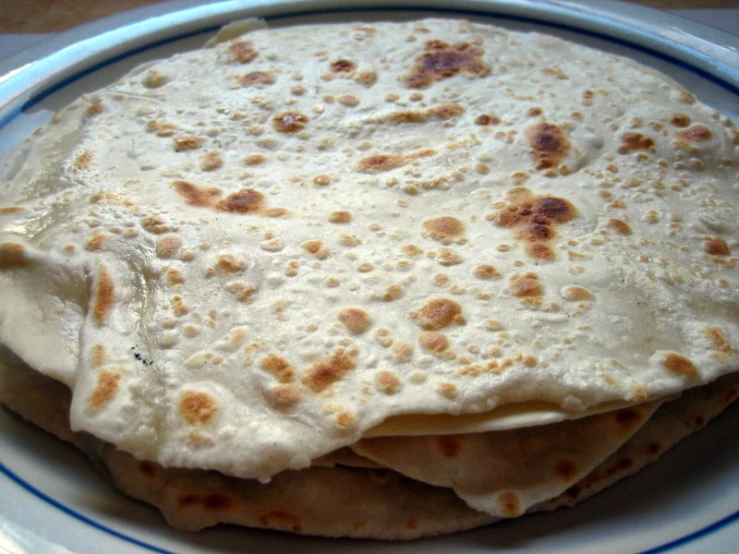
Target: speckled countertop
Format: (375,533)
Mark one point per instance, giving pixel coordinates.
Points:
(51,16)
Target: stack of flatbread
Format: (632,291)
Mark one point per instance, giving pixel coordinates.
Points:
(374,280)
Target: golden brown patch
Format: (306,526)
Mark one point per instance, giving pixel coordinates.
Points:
(445,227)
(680,365)
(11,210)
(439,313)
(285,395)
(446,111)
(12,254)
(175,277)
(254,159)
(449,445)
(279,367)
(316,248)
(343,66)
(290,122)
(619,226)
(631,141)
(105,389)
(534,219)
(549,145)
(386,162)
(257,79)
(154,224)
(242,51)
(696,133)
(186,143)
(83,160)
(104,297)
(198,408)
(246,201)
(442,60)
(680,120)
(97,356)
(282,520)
(210,161)
(328,371)
(486,272)
(433,341)
(387,382)
(169,246)
(486,119)
(509,504)
(340,217)
(575,293)
(566,470)
(448,257)
(195,195)
(527,287)
(718,339)
(97,241)
(356,320)
(716,246)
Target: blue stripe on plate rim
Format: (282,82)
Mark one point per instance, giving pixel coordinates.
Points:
(44,93)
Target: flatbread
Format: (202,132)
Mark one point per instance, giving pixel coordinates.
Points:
(504,473)
(348,225)
(321,501)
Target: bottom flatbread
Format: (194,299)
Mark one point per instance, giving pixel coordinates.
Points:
(335,501)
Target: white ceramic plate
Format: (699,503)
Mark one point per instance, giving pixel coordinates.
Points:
(51,500)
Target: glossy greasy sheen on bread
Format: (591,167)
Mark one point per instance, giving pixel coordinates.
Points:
(245,257)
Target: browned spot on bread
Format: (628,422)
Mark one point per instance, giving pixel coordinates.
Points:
(95,109)
(549,145)
(169,246)
(718,339)
(356,320)
(97,356)
(509,504)
(189,142)
(316,248)
(485,119)
(449,445)
(214,501)
(83,160)
(527,287)
(448,257)
(282,520)
(445,227)
(210,161)
(105,388)
(566,470)
(575,293)
(279,367)
(439,313)
(627,418)
(716,246)
(154,224)
(11,210)
(242,51)
(285,395)
(343,66)
(619,226)
(175,277)
(680,120)
(441,60)
(387,382)
(104,297)
(446,111)
(148,468)
(340,217)
(679,364)
(229,263)
(257,79)
(246,201)
(12,254)
(328,371)
(486,272)
(197,407)
(433,341)
(97,241)
(632,141)
(195,195)
(290,122)
(696,133)
(534,219)
(386,162)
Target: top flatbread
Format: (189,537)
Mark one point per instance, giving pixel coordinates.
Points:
(339,227)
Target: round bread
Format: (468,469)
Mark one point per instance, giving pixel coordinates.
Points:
(365,230)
